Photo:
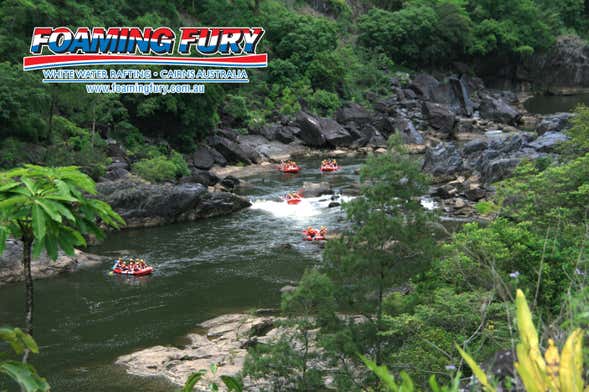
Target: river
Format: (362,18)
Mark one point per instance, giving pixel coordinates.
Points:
(83,321)
(548,104)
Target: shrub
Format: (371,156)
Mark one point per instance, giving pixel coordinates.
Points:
(324,103)
(155,169)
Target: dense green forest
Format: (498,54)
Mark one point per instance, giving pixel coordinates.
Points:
(317,61)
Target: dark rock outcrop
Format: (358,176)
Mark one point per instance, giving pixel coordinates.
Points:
(423,85)
(562,69)
(352,112)
(310,127)
(232,151)
(202,158)
(443,160)
(548,141)
(496,109)
(314,189)
(143,205)
(554,122)
(440,117)
(42,267)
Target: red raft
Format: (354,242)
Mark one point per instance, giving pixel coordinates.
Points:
(289,169)
(329,168)
(312,236)
(139,272)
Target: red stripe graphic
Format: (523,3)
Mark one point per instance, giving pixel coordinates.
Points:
(53,61)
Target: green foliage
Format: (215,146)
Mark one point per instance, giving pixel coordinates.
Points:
(324,103)
(23,374)
(418,34)
(157,169)
(49,206)
(578,133)
(438,32)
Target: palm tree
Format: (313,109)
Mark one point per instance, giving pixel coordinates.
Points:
(48,209)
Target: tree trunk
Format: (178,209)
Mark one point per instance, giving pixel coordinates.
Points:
(28,279)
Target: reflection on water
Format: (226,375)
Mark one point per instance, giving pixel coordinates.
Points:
(548,104)
(84,321)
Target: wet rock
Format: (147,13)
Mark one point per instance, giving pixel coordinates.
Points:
(143,205)
(475,146)
(314,189)
(198,176)
(310,126)
(116,174)
(498,169)
(202,158)
(442,160)
(217,156)
(554,122)
(439,117)
(548,141)
(334,134)
(274,151)
(407,130)
(352,112)
(42,267)
(333,204)
(232,151)
(496,109)
(279,132)
(423,85)
(227,133)
(230,183)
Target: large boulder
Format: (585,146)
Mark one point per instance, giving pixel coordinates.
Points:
(548,141)
(198,176)
(407,130)
(41,267)
(423,85)
(310,127)
(318,132)
(202,158)
(271,150)
(498,169)
(443,160)
(278,132)
(554,122)
(334,134)
(352,112)
(143,205)
(440,117)
(496,109)
(314,189)
(231,150)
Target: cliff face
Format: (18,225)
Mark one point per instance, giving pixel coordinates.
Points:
(563,69)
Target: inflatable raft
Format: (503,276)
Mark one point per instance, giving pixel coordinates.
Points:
(289,169)
(329,168)
(316,237)
(139,272)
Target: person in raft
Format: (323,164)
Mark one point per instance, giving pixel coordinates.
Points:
(288,164)
(323,231)
(311,232)
(293,195)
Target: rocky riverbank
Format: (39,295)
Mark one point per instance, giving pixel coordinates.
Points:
(11,269)
(471,136)
(223,342)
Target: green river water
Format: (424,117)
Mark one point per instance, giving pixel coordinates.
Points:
(83,321)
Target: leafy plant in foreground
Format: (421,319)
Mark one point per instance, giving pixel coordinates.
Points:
(47,209)
(24,374)
(555,372)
